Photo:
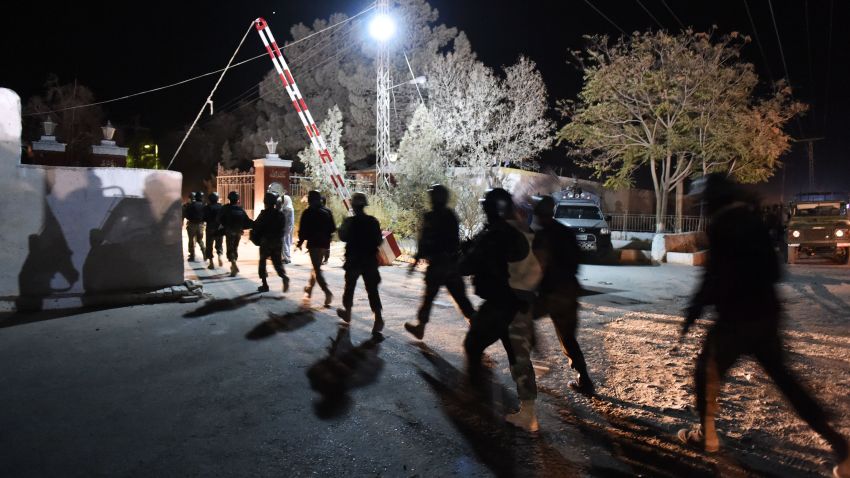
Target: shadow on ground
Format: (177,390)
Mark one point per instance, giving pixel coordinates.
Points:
(221,305)
(288,322)
(344,368)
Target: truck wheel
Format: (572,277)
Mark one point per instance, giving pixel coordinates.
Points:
(791,255)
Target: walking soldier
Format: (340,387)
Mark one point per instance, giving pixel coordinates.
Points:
(233,220)
(316,228)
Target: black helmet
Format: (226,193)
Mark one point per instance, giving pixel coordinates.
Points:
(233,197)
(497,203)
(715,191)
(439,195)
(544,206)
(213,197)
(314,198)
(359,201)
(270,199)
(199,196)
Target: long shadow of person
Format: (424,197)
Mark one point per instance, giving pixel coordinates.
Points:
(221,305)
(344,368)
(48,255)
(288,322)
(505,451)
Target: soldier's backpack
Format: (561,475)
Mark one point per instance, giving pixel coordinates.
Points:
(526,273)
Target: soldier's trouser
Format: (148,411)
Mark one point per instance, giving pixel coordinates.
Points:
(562,306)
(371,279)
(724,345)
(213,239)
(495,321)
(316,276)
(441,274)
(195,231)
(273,252)
(231,240)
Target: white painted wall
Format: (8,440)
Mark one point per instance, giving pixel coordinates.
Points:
(51,215)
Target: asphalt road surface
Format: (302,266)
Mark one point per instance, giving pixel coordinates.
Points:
(221,387)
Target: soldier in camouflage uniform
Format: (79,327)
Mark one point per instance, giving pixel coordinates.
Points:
(193,213)
(233,220)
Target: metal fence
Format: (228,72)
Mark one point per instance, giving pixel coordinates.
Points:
(646,223)
(242,183)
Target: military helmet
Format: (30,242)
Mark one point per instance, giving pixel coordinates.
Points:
(314,198)
(439,194)
(270,199)
(359,201)
(213,197)
(497,202)
(198,196)
(544,206)
(233,197)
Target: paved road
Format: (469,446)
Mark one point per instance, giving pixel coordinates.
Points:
(220,388)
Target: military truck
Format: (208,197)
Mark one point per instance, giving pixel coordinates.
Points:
(818,224)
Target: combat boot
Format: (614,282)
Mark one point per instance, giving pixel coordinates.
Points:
(233,269)
(696,437)
(344,314)
(220,264)
(583,385)
(211,266)
(285,280)
(417,330)
(525,418)
(329,298)
(379,324)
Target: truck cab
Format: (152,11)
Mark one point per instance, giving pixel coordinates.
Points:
(582,214)
(818,223)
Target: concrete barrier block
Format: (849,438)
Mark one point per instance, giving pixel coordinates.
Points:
(698,258)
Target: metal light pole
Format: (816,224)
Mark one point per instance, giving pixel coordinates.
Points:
(381,30)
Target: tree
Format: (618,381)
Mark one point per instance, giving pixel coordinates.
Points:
(487,120)
(331,129)
(677,104)
(78,128)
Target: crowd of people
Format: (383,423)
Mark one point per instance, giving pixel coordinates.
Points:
(523,265)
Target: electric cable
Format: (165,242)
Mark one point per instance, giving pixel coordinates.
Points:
(650,14)
(682,25)
(604,16)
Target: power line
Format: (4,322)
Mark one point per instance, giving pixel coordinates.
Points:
(779,41)
(828,65)
(604,16)
(650,14)
(758,42)
(681,25)
(204,75)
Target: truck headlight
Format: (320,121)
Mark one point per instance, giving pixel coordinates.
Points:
(604,231)
(839,233)
(795,233)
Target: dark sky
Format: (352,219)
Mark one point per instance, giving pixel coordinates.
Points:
(118,48)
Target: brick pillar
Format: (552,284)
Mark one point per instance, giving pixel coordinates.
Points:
(273,172)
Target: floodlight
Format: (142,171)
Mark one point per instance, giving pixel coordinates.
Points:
(382,27)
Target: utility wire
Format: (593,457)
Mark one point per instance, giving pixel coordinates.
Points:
(204,75)
(209,98)
(650,14)
(828,65)
(681,25)
(604,16)
(779,41)
(758,42)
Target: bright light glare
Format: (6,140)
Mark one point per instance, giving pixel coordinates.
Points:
(382,27)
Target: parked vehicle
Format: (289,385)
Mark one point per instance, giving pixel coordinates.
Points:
(581,213)
(818,223)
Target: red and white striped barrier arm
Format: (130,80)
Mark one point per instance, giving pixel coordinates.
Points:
(301,107)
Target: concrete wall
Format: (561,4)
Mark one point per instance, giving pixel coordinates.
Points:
(83,230)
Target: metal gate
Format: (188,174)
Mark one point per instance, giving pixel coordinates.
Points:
(240,181)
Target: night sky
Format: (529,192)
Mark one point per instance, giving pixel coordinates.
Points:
(118,48)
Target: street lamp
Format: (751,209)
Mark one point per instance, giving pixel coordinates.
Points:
(419,80)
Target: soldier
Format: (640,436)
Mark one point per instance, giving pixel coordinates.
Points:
(739,280)
(327,255)
(233,220)
(214,235)
(487,259)
(439,244)
(556,247)
(316,227)
(362,236)
(193,213)
(267,233)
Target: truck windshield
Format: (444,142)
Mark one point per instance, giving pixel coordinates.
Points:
(567,211)
(818,209)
